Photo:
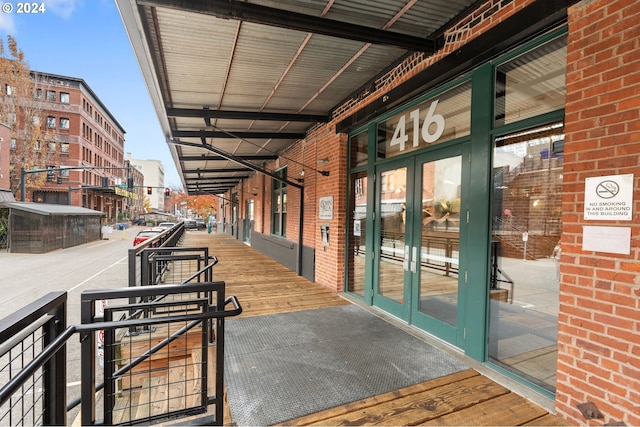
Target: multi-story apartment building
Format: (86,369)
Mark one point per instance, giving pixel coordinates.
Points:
(83,136)
(153,173)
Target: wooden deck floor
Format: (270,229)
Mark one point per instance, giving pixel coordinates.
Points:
(263,287)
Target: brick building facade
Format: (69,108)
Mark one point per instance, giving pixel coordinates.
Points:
(85,138)
(452,190)
(598,337)
(599,322)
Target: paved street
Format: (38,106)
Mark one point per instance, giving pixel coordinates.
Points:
(100,264)
(97,265)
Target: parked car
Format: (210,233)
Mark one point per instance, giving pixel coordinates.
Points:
(192,224)
(166,225)
(146,234)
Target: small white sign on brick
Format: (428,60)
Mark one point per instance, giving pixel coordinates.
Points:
(609,198)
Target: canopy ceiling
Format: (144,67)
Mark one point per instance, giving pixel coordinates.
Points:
(235,83)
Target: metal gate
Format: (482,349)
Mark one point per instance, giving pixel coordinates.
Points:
(4,229)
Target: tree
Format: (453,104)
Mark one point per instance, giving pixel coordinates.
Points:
(146,204)
(21,108)
(201,205)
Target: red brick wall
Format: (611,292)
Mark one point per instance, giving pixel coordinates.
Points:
(599,326)
(322,143)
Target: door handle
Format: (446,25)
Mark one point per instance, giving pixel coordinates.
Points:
(405,263)
(414,253)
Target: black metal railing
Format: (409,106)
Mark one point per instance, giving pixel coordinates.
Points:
(33,363)
(168,238)
(139,365)
(174,265)
(33,354)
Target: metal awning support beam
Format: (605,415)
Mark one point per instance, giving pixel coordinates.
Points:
(205,158)
(227,179)
(208,114)
(236,159)
(237,135)
(218,170)
(258,14)
(211,189)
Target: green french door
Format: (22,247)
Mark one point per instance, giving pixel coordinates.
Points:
(421,218)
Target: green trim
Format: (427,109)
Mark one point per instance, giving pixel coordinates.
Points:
(450,333)
(475,237)
(541,120)
(399,309)
(478,249)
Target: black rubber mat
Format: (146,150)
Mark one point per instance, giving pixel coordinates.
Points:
(284,366)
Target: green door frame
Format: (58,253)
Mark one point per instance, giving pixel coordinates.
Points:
(399,309)
(475,251)
(451,334)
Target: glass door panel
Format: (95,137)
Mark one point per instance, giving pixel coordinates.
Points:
(357,250)
(440,237)
(392,249)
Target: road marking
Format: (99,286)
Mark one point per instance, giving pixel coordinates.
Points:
(97,274)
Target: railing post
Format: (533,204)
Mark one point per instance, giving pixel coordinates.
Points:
(108,394)
(55,370)
(144,269)
(88,363)
(220,357)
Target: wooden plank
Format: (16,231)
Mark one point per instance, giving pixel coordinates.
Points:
(507,410)
(380,399)
(158,403)
(125,406)
(421,407)
(144,402)
(180,347)
(548,420)
(177,386)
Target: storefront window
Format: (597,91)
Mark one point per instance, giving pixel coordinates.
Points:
(439,119)
(356,256)
(279,204)
(526,230)
(531,84)
(358,150)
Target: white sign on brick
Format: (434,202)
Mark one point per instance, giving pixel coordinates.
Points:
(609,198)
(326,207)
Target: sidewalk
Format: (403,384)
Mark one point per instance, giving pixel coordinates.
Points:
(300,354)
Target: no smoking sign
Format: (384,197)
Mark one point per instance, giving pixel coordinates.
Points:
(609,198)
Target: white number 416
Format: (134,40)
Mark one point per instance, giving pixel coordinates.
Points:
(428,132)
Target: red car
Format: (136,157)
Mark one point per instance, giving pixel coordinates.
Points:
(146,234)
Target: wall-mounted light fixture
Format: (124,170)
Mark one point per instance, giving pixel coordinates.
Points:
(323,161)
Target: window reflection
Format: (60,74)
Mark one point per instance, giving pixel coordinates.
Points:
(532,84)
(356,256)
(526,230)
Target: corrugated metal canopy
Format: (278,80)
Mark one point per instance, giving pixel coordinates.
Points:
(235,83)
(49,209)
